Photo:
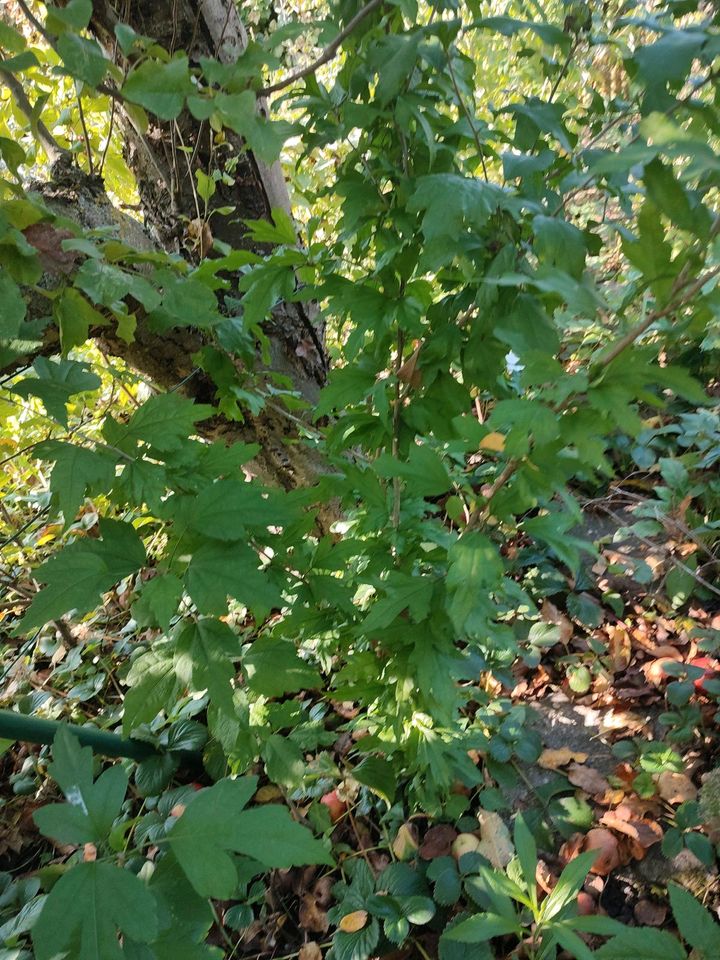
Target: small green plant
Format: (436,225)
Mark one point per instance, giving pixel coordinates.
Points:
(511,904)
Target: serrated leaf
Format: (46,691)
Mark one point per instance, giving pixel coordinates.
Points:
(160,87)
(215,824)
(153,687)
(76,470)
(55,382)
(273,668)
(694,922)
(378,774)
(219,570)
(77,575)
(85,910)
(204,660)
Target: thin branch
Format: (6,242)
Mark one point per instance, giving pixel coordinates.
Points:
(50,145)
(86,136)
(468,116)
(327,54)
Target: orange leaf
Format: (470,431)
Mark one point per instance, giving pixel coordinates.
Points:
(493,441)
(352,922)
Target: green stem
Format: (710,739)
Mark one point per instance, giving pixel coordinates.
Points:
(16,726)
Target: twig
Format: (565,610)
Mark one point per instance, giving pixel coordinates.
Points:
(468,117)
(50,145)
(327,54)
(86,136)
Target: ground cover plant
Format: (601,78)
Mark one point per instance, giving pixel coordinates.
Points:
(361,512)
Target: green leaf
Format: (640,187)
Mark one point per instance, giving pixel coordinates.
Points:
(164,422)
(219,570)
(378,774)
(153,687)
(694,922)
(83,58)
(13,155)
(204,660)
(160,87)
(75,14)
(273,668)
(482,927)
(423,470)
(55,382)
(284,761)
(216,824)
(475,569)
(77,469)
(443,873)
(509,26)
(527,853)
(395,58)
(569,884)
(158,602)
(12,306)
(402,592)
(642,943)
(87,907)
(451,204)
(88,815)
(75,317)
(78,574)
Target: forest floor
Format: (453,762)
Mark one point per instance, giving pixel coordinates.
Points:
(625,712)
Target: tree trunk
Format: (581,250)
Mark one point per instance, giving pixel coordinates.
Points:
(165,177)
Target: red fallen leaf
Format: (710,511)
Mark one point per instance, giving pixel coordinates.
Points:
(606,844)
(712,672)
(438,841)
(650,914)
(588,779)
(336,806)
(47,240)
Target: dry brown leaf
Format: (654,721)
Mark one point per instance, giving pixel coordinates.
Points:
(619,648)
(410,372)
(550,614)
(676,787)
(588,779)
(352,922)
(606,844)
(650,914)
(311,915)
(438,841)
(495,842)
(553,759)
(310,951)
(642,832)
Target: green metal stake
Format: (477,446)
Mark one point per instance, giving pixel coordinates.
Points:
(16,726)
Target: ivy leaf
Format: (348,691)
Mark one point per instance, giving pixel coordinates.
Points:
(86,909)
(215,824)
(274,668)
(55,382)
(204,660)
(160,87)
(78,574)
(88,815)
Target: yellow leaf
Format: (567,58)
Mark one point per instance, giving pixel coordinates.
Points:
(495,842)
(553,759)
(352,922)
(494,442)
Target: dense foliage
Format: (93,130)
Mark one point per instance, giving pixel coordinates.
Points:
(507,215)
